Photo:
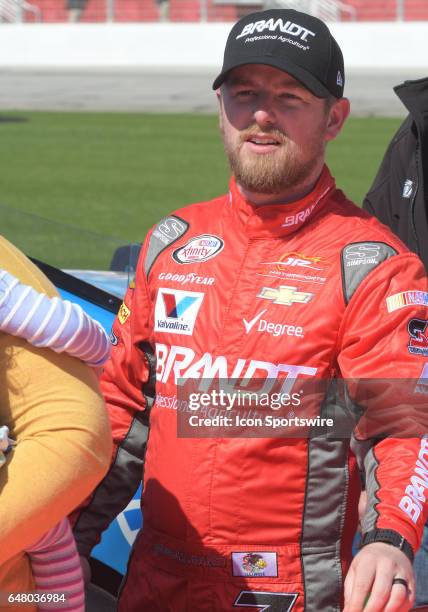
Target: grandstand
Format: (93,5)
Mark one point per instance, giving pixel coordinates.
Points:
(55,11)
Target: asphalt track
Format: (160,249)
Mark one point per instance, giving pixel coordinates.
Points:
(165,90)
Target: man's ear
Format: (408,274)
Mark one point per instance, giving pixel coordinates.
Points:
(337,115)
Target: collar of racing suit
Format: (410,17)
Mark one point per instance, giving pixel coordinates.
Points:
(280,219)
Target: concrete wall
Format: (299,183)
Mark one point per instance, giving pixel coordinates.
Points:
(365,45)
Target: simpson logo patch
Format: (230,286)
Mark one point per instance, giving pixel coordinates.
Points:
(198,249)
(123,313)
(362,254)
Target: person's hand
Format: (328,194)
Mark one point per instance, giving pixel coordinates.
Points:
(370,579)
(86,570)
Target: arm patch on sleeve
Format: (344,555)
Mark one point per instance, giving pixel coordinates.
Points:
(166,232)
(358,260)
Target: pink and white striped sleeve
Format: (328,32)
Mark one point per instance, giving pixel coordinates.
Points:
(56,568)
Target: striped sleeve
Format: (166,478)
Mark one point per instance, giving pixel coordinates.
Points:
(56,568)
(50,322)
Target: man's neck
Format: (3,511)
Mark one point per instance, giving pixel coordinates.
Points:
(288,195)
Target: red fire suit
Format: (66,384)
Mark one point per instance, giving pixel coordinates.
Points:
(315,288)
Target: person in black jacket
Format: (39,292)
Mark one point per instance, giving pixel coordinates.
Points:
(399,194)
(399,198)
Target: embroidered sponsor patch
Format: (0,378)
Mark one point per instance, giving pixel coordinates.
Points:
(113,338)
(187,558)
(176,311)
(184,279)
(418,342)
(363,253)
(406,298)
(285,295)
(292,267)
(269,327)
(198,249)
(412,503)
(123,313)
(170,229)
(255,564)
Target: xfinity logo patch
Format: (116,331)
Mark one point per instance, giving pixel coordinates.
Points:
(176,311)
(286,28)
(198,249)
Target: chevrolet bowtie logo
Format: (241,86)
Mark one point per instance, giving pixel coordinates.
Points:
(285,295)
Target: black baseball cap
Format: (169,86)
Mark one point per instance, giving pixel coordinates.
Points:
(295,42)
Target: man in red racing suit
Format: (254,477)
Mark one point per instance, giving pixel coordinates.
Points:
(288,282)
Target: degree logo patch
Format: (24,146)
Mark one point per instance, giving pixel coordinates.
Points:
(176,311)
(123,313)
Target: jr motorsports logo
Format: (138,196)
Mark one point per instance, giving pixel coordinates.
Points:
(198,249)
(176,311)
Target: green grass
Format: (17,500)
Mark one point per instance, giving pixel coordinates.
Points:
(116,174)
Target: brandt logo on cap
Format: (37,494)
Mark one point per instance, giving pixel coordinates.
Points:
(339,80)
(287,28)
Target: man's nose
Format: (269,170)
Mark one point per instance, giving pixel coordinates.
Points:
(264,117)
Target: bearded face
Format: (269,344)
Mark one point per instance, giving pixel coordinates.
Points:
(269,161)
(274,130)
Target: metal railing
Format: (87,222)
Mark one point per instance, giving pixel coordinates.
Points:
(14,11)
(327,10)
(56,11)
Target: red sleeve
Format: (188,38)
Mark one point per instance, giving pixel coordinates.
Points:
(128,390)
(384,338)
